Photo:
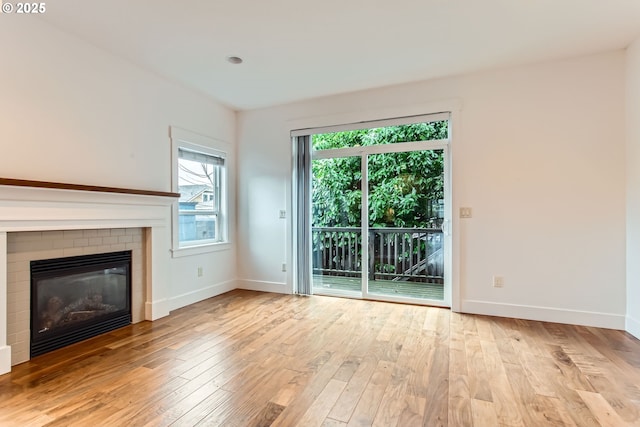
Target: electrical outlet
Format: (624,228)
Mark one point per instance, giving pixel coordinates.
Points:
(284,266)
(498,281)
(199,271)
(465,212)
(283,214)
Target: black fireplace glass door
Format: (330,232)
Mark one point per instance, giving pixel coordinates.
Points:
(76,298)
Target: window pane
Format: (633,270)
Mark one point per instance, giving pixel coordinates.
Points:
(195,227)
(385,135)
(199,204)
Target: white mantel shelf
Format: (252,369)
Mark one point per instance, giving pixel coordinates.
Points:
(41,206)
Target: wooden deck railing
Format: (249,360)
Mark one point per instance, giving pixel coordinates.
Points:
(413,254)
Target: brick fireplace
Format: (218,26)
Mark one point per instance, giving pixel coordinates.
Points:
(42,222)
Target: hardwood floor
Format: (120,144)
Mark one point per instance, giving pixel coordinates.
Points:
(258,359)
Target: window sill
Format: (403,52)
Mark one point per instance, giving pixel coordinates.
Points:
(200,249)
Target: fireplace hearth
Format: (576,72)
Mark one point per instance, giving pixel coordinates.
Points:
(76,298)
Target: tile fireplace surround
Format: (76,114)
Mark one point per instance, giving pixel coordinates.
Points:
(77,212)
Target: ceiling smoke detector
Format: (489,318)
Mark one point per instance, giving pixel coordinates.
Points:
(234,59)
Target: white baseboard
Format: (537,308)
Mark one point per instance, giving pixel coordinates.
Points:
(545,314)
(258,285)
(155,310)
(633,326)
(192,297)
(5,359)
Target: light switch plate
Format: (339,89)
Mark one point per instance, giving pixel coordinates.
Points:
(465,212)
(498,281)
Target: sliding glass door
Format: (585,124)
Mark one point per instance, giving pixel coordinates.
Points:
(336,225)
(378,205)
(406,214)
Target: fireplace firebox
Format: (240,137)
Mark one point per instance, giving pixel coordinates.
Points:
(76,298)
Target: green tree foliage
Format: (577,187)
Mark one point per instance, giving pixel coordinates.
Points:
(404,188)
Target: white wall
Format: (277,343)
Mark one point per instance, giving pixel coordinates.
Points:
(538,153)
(70,112)
(633,188)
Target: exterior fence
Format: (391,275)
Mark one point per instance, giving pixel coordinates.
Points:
(407,254)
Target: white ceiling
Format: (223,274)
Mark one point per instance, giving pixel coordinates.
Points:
(299,49)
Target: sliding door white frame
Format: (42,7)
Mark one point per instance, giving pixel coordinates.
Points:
(363,152)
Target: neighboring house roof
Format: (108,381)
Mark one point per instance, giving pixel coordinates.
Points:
(190,193)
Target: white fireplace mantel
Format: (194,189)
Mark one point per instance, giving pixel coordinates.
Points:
(26,208)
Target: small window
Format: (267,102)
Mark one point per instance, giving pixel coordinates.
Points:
(199,177)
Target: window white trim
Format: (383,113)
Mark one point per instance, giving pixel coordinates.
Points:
(368,124)
(452,293)
(191,141)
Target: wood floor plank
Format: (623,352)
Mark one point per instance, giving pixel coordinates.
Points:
(328,422)
(247,407)
(365,411)
(203,408)
(266,417)
(606,415)
(484,413)
(413,411)
(320,408)
(459,404)
(436,404)
(316,383)
(532,367)
(574,377)
(392,403)
(622,404)
(531,406)
(507,410)
(350,397)
(479,382)
(503,341)
(289,392)
(569,399)
(436,411)
(173,405)
(553,412)
(483,326)
(257,359)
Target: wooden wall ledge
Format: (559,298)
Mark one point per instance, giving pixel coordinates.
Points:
(94,188)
